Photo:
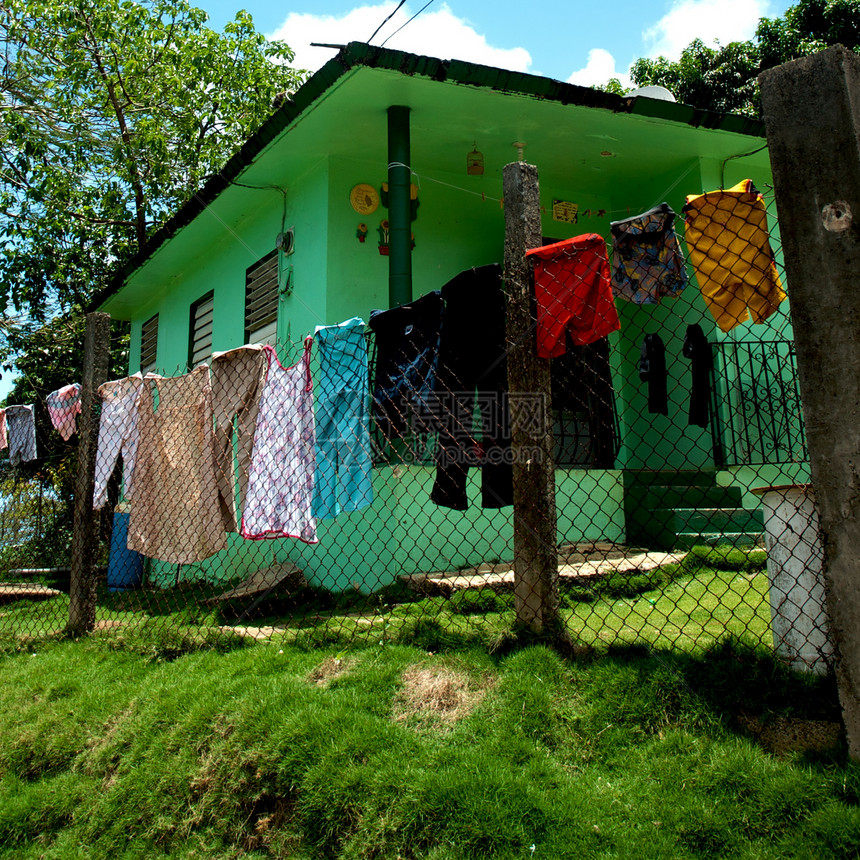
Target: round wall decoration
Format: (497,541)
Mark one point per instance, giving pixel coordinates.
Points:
(364,198)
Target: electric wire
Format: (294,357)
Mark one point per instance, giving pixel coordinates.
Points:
(393,13)
(428,3)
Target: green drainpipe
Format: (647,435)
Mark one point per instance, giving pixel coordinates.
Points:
(399,208)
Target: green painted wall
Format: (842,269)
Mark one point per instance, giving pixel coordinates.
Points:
(402,532)
(336,277)
(221,267)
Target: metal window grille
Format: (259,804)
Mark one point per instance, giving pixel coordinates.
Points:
(261,300)
(149,344)
(200,330)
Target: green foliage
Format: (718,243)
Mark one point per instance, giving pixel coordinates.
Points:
(614,86)
(480,601)
(249,753)
(113,112)
(720,79)
(169,642)
(723,78)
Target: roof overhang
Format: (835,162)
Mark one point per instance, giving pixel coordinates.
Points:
(578,136)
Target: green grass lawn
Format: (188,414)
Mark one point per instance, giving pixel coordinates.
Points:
(436,736)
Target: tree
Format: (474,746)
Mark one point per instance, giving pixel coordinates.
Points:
(723,78)
(111,114)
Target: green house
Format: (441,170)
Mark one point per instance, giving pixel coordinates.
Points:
(288,237)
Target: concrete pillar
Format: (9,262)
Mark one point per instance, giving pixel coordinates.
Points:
(532,449)
(812,115)
(82,591)
(399,207)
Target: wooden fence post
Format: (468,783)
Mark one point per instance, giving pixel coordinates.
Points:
(535,549)
(812,116)
(82,591)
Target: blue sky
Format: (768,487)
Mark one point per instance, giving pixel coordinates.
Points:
(585,43)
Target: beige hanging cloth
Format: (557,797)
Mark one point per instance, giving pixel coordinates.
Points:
(175,515)
(237,382)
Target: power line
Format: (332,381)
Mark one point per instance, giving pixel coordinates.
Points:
(386,21)
(408,22)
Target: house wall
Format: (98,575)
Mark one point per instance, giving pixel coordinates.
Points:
(336,277)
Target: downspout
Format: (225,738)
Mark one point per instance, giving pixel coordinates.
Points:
(399,208)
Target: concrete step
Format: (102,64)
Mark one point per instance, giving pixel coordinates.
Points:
(667,496)
(670,478)
(709,520)
(687,540)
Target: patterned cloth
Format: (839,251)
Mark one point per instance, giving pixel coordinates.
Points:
(64,406)
(21,426)
(175,515)
(407,359)
(3,441)
(647,263)
(726,232)
(281,482)
(237,383)
(118,434)
(573,293)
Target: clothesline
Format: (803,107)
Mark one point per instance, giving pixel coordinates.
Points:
(500,200)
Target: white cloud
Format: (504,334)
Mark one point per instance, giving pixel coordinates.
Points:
(439,33)
(599,68)
(709,20)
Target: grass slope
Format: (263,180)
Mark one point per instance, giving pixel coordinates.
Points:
(392,751)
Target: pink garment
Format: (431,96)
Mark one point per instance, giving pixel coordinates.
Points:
(281,481)
(64,406)
(3,441)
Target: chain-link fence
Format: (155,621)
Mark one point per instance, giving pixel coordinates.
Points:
(368,483)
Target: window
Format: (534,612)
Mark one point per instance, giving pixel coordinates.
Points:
(148,344)
(200,330)
(261,300)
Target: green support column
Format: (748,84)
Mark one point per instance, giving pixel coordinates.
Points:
(399,208)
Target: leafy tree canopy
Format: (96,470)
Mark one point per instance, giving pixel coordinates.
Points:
(723,78)
(111,114)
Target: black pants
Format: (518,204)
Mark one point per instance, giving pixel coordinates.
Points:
(473,358)
(698,350)
(652,369)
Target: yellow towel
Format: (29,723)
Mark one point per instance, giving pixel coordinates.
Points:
(726,232)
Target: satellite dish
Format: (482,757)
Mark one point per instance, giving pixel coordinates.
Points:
(654,92)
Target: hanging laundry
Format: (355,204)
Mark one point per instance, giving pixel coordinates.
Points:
(652,369)
(3,440)
(174,514)
(473,358)
(572,288)
(237,383)
(581,384)
(407,354)
(698,350)
(647,263)
(118,435)
(726,232)
(21,427)
(281,481)
(343,457)
(64,406)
